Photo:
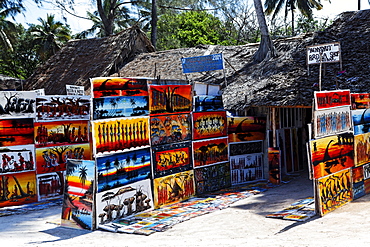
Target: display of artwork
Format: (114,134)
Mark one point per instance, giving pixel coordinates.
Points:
(329,99)
(274,165)
(240,148)
(208,103)
(50,185)
(334,191)
(18,188)
(209,125)
(361,121)
(170,128)
(170,98)
(17,104)
(246,168)
(332,121)
(114,86)
(246,128)
(123,201)
(173,188)
(120,106)
(331,154)
(210,151)
(17,159)
(362,147)
(62,107)
(123,168)
(366,169)
(110,136)
(360,100)
(78,200)
(17,131)
(53,159)
(212,178)
(171,158)
(358,182)
(48,134)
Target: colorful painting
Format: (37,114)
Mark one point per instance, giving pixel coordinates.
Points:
(17,104)
(246,168)
(121,106)
(50,185)
(53,159)
(210,151)
(171,158)
(361,121)
(123,201)
(331,154)
(274,165)
(332,121)
(212,178)
(240,148)
(78,200)
(208,103)
(173,188)
(358,182)
(362,148)
(17,159)
(17,131)
(360,100)
(366,169)
(209,125)
(170,128)
(111,86)
(123,168)
(170,98)
(334,191)
(18,189)
(329,99)
(110,136)
(367,186)
(62,107)
(48,134)
(242,129)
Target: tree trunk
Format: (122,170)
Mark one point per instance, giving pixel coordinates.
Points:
(266,46)
(108,25)
(153,37)
(292,9)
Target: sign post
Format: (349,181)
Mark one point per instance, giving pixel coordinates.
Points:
(75,90)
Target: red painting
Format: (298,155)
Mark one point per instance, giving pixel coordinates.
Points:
(358,174)
(111,86)
(49,134)
(328,99)
(332,154)
(274,165)
(18,189)
(18,131)
(170,98)
(360,100)
(50,185)
(242,129)
(53,159)
(209,124)
(210,151)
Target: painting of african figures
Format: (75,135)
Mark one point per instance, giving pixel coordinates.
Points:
(331,154)
(17,131)
(246,128)
(362,149)
(77,209)
(209,124)
(173,188)
(334,191)
(210,151)
(62,107)
(17,104)
(17,159)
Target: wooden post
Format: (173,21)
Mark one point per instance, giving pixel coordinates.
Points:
(320,71)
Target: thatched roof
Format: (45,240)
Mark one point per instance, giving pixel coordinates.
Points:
(281,81)
(10,83)
(80,60)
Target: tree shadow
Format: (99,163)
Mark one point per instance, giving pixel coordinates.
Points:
(61,233)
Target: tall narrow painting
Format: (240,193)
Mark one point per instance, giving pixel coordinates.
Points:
(210,151)
(17,131)
(358,184)
(114,86)
(362,148)
(209,125)
(17,104)
(246,128)
(274,165)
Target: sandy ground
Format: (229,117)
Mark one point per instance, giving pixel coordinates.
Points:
(242,224)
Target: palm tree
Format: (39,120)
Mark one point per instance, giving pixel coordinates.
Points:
(8,30)
(49,36)
(83,175)
(304,6)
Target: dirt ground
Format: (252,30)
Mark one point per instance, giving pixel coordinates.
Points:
(242,224)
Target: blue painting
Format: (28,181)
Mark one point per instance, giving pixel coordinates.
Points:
(208,103)
(123,168)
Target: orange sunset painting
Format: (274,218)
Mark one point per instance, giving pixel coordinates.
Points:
(104,87)
(246,128)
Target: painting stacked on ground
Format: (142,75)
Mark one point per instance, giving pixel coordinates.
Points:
(121,147)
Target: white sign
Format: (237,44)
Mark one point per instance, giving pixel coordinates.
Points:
(325,53)
(40,92)
(75,90)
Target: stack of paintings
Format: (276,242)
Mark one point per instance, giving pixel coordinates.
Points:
(17,170)
(170,108)
(332,150)
(246,135)
(61,132)
(121,147)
